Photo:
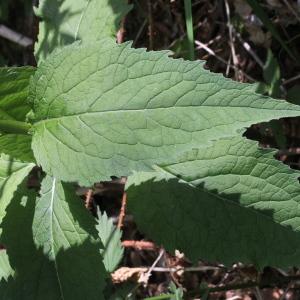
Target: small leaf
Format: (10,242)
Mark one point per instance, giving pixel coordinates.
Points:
(110,237)
(228,202)
(64,22)
(108,109)
(14,86)
(66,232)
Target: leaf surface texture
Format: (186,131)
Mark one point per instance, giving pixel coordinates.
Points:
(66,232)
(104,109)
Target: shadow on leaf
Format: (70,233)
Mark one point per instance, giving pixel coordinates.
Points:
(207,225)
(75,273)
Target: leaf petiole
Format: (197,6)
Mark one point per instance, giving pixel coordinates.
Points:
(15,127)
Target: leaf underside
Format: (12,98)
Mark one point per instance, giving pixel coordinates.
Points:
(104,109)
(226,202)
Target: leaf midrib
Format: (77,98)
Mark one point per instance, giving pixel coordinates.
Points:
(291,113)
(52,235)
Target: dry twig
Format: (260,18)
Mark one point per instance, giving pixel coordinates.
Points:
(139,245)
(15,37)
(122,211)
(88,198)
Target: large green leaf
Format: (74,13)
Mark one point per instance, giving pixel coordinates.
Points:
(104,109)
(227,202)
(66,232)
(110,237)
(14,86)
(12,173)
(64,21)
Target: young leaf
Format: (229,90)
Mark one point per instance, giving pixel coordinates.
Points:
(227,202)
(110,237)
(12,173)
(104,109)
(37,276)
(14,86)
(66,232)
(64,22)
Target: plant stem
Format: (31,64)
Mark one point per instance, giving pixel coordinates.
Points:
(15,127)
(189,27)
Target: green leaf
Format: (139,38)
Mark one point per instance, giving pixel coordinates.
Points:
(14,86)
(17,145)
(65,21)
(178,292)
(37,276)
(227,202)
(5,269)
(34,277)
(110,237)
(12,173)
(104,109)
(66,232)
